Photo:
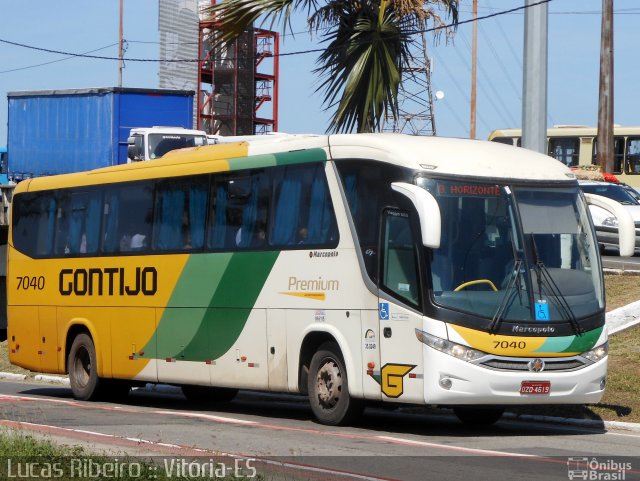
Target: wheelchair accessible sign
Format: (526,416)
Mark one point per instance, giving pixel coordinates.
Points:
(383,311)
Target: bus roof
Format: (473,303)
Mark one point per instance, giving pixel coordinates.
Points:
(437,155)
(568,131)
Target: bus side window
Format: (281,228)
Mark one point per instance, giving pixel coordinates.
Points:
(633,155)
(34,223)
(565,149)
(239,211)
(180,214)
(399,262)
(128,210)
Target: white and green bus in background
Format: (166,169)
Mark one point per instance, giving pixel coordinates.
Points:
(350,268)
(576,145)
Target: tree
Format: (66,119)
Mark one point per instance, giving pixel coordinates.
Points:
(367,48)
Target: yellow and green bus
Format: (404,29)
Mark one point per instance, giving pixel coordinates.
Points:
(576,145)
(350,268)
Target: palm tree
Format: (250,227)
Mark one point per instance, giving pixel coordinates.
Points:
(367,48)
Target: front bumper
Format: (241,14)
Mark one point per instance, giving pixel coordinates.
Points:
(474,384)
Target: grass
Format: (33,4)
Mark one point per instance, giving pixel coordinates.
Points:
(25,456)
(621,401)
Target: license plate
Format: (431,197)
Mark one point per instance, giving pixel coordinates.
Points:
(535,387)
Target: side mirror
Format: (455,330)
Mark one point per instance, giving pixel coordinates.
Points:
(428,212)
(626,226)
(133,148)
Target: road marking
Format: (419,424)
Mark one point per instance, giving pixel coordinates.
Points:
(222,419)
(484,452)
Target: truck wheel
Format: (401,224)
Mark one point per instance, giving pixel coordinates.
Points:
(328,388)
(478,416)
(202,394)
(83,368)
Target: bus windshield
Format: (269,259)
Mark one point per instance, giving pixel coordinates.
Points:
(160,144)
(515,253)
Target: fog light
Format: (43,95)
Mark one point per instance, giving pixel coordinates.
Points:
(603,383)
(445,383)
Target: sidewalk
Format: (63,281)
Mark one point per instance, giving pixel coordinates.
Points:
(624,317)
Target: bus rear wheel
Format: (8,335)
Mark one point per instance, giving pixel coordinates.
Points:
(328,388)
(83,368)
(478,416)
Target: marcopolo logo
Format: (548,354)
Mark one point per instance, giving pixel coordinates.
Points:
(110,281)
(313,254)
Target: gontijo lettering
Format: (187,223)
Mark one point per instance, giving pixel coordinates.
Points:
(110,281)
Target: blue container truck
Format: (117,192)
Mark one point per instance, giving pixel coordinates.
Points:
(60,131)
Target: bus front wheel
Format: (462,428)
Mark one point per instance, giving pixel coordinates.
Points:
(83,368)
(328,388)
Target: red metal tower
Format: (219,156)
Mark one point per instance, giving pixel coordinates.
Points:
(238,83)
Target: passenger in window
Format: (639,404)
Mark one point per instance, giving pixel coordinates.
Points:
(125,243)
(303,234)
(259,237)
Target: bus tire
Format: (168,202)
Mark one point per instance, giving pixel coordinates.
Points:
(328,388)
(208,394)
(83,368)
(478,416)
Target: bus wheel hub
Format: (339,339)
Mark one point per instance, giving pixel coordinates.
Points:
(329,384)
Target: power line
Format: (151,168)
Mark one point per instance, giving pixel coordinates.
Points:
(58,60)
(282,54)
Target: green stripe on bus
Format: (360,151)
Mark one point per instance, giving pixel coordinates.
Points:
(585,342)
(182,318)
(571,343)
(222,290)
(284,158)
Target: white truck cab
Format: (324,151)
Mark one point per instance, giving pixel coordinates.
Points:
(149,143)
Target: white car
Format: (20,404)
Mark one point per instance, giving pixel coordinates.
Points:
(606,224)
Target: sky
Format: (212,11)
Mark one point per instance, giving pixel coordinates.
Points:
(80,26)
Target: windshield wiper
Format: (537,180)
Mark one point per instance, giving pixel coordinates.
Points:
(508,295)
(557,298)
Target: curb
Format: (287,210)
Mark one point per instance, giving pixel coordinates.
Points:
(12,376)
(587,423)
(621,272)
(53,379)
(623,317)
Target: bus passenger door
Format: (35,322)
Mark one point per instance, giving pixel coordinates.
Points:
(399,310)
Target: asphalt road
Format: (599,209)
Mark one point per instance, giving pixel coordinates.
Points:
(280,433)
(611,260)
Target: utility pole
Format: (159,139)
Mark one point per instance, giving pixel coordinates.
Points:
(605,99)
(534,90)
(474,61)
(120,50)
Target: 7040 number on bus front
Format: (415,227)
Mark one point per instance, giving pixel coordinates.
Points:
(509,345)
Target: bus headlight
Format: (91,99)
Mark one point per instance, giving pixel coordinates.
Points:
(451,348)
(597,353)
(610,222)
